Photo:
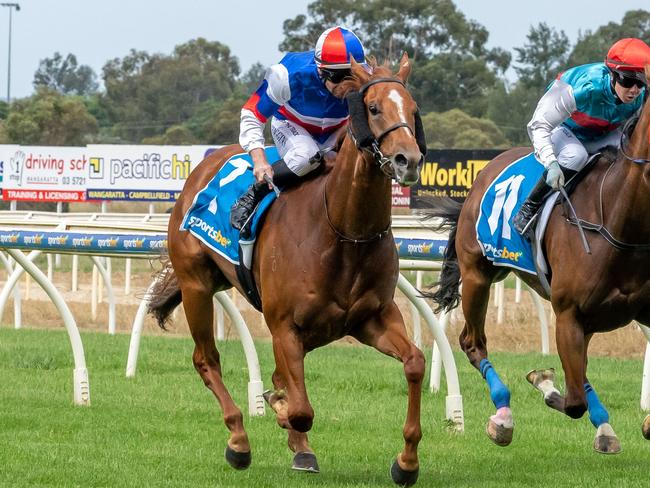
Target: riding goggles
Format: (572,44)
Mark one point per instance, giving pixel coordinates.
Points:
(630,79)
(335,75)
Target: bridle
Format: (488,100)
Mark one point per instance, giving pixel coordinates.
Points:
(363,137)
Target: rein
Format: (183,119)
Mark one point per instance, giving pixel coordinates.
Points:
(629,127)
(343,237)
(601,228)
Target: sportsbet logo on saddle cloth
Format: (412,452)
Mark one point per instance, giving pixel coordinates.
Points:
(499,240)
(209,216)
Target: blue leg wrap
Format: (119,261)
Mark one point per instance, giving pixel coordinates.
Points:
(597,412)
(499,392)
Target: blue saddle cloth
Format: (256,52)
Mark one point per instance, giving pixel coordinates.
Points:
(209,216)
(499,240)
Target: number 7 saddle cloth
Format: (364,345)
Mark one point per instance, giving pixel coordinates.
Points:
(208,219)
(209,216)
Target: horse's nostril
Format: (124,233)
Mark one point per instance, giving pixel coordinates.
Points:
(400,159)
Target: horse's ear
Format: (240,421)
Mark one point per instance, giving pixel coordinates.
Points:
(404,67)
(359,71)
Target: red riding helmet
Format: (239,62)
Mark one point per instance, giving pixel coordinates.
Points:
(336,46)
(628,58)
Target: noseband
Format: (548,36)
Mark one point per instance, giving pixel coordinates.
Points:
(363,137)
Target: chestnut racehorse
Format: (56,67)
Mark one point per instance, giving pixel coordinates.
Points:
(325,264)
(590,293)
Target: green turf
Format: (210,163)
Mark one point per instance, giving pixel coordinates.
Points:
(163,428)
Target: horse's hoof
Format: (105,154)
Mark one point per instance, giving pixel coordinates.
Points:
(536,376)
(500,432)
(402,477)
(267,396)
(606,441)
(554,400)
(645,428)
(238,460)
(305,461)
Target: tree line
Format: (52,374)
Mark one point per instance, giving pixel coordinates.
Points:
(194,94)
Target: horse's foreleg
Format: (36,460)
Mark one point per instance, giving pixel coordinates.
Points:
(475,298)
(606,441)
(388,335)
(290,365)
(544,381)
(290,372)
(197,302)
(305,459)
(571,347)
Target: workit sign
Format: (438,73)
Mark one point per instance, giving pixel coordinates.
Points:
(146,173)
(44,174)
(449,173)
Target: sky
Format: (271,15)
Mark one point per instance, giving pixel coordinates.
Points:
(96,31)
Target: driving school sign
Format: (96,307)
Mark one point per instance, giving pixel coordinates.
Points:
(47,174)
(449,173)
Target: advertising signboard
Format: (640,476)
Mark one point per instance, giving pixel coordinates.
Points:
(449,173)
(45,174)
(137,172)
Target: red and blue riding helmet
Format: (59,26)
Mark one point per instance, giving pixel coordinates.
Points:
(336,46)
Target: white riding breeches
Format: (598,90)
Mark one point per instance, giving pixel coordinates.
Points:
(296,146)
(573,154)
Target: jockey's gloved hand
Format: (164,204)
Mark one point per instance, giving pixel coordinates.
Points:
(554,176)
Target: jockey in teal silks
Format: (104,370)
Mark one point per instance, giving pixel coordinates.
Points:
(583,111)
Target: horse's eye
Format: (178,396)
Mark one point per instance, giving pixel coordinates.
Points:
(372,108)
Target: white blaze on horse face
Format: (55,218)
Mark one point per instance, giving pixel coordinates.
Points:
(397,98)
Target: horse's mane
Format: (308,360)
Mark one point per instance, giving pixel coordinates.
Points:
(360,78)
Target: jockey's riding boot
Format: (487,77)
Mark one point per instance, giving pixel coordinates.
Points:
(531,205)
(244,206)
(283,178)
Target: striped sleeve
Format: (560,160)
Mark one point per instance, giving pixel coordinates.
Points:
(273,92)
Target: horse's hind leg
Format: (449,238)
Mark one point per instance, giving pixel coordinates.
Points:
(388,335)
(304,459)
(475,298)
(197,302)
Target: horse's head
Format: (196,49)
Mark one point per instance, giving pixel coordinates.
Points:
(385,119)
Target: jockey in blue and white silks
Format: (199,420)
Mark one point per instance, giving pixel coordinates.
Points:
(305,116)
(582,111)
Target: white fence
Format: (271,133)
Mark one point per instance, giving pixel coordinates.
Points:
(143,236)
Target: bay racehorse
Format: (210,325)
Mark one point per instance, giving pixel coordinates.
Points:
(590,293)
(325,264)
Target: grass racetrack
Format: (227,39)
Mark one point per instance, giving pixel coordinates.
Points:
(164,428)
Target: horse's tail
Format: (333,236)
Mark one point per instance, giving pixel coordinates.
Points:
(446,294)
(165,295)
